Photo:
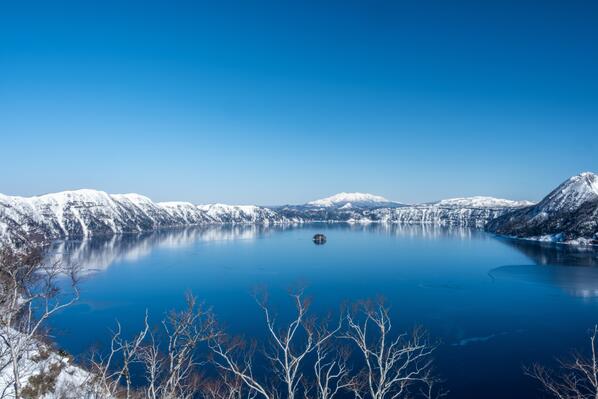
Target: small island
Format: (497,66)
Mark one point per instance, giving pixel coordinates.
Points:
(319,239)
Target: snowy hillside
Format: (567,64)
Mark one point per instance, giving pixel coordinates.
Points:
(85,213)
(368,208)
(439,215)
(568,214)
(241,214)
(481,202)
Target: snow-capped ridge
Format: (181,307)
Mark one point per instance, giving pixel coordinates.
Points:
(355,199)
(585,181)
(572,193)
(569,213)
(86,213)
(174,204)
(482,202)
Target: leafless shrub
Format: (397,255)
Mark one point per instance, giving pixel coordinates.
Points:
(394,368)
(170,372)
(577,378)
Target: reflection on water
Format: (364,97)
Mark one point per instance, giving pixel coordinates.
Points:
(432,276)
(556,254)
(575,280)
(569,268)
(98,253)
(573,269)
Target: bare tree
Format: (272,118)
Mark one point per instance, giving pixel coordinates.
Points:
(235,357)
(111,373)
(227,386)
(170,372)
(393,367)
(289,347)
(175,375)
(331,370)
(29,296)
(578,378)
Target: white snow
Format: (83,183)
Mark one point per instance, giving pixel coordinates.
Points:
(38,359)
(572,193)
(353,198)
(223,213)
(482,202)
(85,213)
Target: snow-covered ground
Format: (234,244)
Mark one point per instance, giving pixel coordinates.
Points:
(42,366)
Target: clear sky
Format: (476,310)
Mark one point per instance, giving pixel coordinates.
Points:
(283,102)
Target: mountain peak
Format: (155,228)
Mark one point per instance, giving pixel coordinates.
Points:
(582,185)
(355,199)
(586,180)
(571,194)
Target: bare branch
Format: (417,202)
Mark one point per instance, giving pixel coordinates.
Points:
(578,377)
(393,367)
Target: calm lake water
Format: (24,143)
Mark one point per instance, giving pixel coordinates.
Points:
(495,304)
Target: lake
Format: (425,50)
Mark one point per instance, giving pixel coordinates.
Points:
(495,304)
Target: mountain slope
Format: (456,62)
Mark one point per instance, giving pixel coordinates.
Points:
(567,214)
(85,213)
(240,214)
(481,202)
(464,212)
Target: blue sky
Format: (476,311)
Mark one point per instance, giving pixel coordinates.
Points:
(283,102)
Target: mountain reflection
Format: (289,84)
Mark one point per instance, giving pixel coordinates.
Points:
(578,281)
(99,253)
(572,269)
(566,267)
(427,231)
(555,254)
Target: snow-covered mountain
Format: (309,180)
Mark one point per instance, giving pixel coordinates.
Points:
(354,200)
(464,212)
(242,214)
(85,213)
(568,214)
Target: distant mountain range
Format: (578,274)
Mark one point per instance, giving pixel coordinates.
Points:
(354,200)
(568,214)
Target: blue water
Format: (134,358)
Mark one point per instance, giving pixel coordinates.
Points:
(495,305)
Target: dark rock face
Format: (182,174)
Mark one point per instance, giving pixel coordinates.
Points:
(570,212)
